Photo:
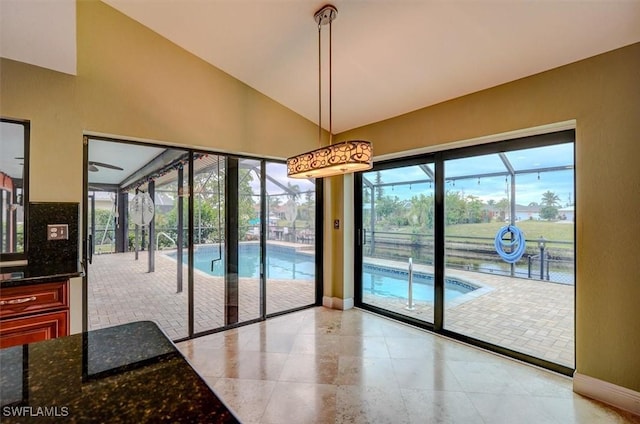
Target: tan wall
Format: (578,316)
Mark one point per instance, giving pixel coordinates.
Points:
(603,95)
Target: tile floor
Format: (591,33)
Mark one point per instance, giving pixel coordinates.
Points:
(327,366)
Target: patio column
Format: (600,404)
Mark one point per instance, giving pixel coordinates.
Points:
(122,229)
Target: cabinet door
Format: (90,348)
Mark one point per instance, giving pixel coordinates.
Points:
(33,328)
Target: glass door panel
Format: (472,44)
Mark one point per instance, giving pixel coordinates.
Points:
(135,273)
(209,241)
(291,235)
(249,239)
(509,250)
(398,240)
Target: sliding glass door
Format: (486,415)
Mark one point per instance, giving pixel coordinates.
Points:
(397,239)
(509,238)
(476,243)
(193,240)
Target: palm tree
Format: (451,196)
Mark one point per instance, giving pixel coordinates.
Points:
(549,201)
(549,198)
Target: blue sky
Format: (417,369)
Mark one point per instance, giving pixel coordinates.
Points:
(529,187)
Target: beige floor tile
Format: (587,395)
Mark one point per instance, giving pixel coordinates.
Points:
(366,405)
(410,347)
(368,347)
(255,365)
(247,398)
(310,369)
(508,409)
(431,406)
(361,371)
(357,367)
(424,374)
(483,377)
(270,341)
(301,403)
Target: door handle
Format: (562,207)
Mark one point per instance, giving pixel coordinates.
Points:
(90,248)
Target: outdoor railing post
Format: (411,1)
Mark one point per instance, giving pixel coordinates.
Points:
(410,294)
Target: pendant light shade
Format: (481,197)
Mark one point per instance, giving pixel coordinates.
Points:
(340,158)
(335,159)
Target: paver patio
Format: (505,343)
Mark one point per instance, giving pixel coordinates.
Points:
(529,316)
(121,290)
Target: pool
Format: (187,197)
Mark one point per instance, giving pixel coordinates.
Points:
(389,282)
(286,263)
(281,263)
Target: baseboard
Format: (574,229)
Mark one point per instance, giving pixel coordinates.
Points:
(337,303)
(606,392)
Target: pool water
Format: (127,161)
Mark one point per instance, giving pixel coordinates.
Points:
(281,262)
(286,263)
(386,282)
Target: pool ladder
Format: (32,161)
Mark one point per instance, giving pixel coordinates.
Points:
(410,306)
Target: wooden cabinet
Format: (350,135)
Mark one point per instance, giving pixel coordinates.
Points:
(32,313)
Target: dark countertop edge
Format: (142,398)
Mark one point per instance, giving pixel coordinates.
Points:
(38,278)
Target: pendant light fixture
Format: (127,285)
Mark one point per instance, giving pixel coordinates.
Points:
(335,159)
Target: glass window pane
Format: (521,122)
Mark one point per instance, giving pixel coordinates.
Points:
(520,279)
(398,224)
(291,238)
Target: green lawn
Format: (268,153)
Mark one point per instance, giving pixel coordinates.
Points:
(556,231)
(533,230)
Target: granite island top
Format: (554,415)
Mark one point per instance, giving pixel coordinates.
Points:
(35,274)
(130,373)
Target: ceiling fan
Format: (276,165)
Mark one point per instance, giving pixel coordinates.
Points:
(94,166)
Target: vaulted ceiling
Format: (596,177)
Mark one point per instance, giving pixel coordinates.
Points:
(389,56)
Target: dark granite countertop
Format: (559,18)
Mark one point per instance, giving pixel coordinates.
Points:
(36,274)
(130,373)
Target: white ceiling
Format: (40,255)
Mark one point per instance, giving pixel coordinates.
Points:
(389,56)
(39,32)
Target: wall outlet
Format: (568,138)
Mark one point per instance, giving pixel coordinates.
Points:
(57,232)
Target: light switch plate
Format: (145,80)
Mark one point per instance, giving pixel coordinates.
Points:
(57,232)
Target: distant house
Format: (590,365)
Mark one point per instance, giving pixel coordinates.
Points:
(527,212)
(522,213)
(567,213)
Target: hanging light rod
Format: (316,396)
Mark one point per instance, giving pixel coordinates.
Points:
(335,159)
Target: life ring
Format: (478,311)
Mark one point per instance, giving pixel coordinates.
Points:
(518,240)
